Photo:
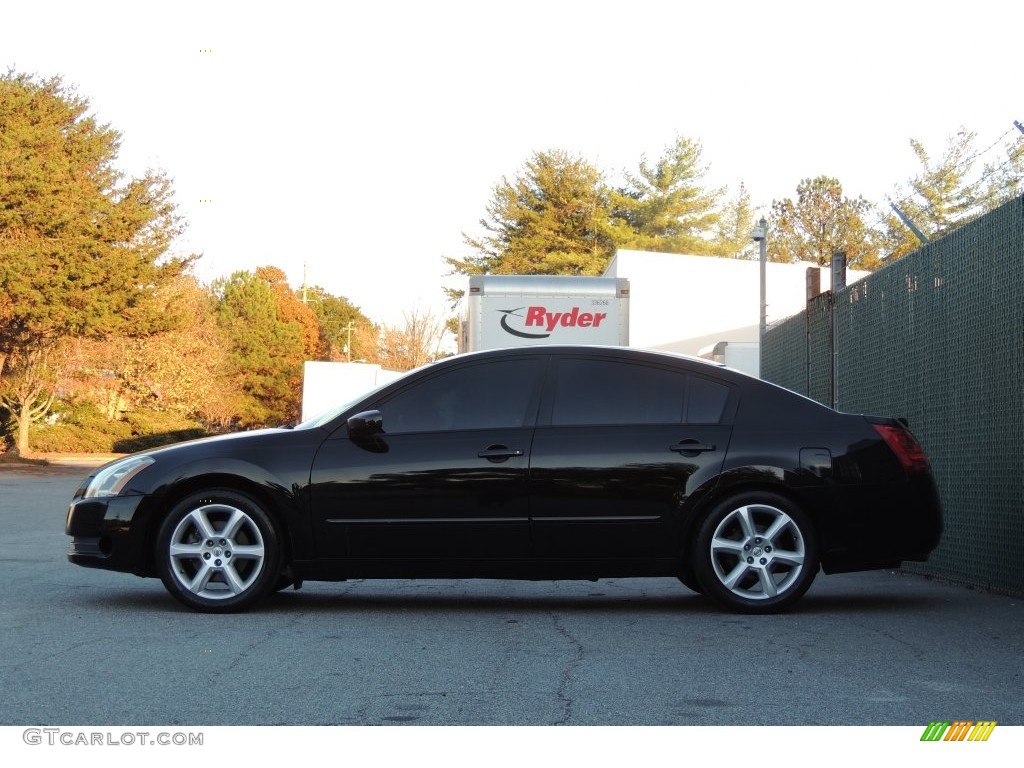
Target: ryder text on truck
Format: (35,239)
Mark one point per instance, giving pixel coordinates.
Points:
(522,310)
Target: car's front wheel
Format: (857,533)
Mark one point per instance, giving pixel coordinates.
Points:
(218,551)
(755,552)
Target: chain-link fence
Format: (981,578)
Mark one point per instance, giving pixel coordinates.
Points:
(937,337)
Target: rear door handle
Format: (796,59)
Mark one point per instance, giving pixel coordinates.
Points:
(691,447)
(499,453)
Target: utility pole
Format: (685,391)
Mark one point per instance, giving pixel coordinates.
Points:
(351,326)
(304,288)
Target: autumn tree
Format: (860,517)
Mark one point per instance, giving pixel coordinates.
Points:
(83,248)
(27,391)
(292,310)
(552,219)
(414,342)
(820,222)
(667,206)
(184,369)
(179,371)
(350,335)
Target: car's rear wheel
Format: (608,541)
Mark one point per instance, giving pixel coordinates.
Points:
(218,551)
(755,552)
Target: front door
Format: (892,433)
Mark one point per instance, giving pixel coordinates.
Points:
(446,479)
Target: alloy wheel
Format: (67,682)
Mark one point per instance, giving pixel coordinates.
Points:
(758,552)
(216,552)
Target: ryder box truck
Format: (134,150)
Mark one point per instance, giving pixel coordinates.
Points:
(525,310)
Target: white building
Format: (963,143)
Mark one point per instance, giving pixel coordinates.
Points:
(691,304)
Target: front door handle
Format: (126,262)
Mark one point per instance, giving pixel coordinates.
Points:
(499,453)
(691,447)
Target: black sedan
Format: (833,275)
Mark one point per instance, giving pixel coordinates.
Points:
(533,463)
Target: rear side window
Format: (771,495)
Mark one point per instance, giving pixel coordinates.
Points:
(614,392)
(591,391)
(705,401)
(489,395)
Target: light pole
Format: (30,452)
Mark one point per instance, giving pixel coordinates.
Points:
(760,236)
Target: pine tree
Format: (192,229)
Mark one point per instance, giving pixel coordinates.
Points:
(734,228)
(265,353)
(552,219)
(83,249)
(942,196)
(666,207)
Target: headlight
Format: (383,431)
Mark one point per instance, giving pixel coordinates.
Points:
(110,481)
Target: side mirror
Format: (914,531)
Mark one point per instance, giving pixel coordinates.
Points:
(365,424)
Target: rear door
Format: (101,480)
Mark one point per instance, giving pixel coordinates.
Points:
(618,448)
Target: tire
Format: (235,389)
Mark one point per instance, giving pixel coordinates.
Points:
(218,552)
(755,552)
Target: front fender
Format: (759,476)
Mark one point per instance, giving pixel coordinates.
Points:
(283,494)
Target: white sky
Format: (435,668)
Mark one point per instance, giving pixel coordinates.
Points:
(362,139)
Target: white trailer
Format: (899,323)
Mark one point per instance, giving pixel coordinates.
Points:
(525,310)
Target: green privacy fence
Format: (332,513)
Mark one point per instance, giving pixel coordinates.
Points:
(936,337)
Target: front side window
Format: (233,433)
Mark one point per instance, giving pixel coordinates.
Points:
(489,395)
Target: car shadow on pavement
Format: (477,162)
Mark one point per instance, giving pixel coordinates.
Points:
(694,604)
(447,597)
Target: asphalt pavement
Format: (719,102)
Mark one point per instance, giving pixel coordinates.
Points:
(94,648)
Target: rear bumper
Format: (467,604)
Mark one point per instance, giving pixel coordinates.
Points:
(106,533)
(882,526)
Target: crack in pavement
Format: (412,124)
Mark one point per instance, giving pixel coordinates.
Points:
(266,637)
(566,678)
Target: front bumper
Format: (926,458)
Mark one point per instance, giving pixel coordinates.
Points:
(109,533)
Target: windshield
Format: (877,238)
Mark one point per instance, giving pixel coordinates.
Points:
(332,413)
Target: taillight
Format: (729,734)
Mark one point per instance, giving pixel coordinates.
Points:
(903,444)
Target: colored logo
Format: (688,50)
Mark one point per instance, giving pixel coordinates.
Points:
(513,331)
(960,730)
(541,318)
